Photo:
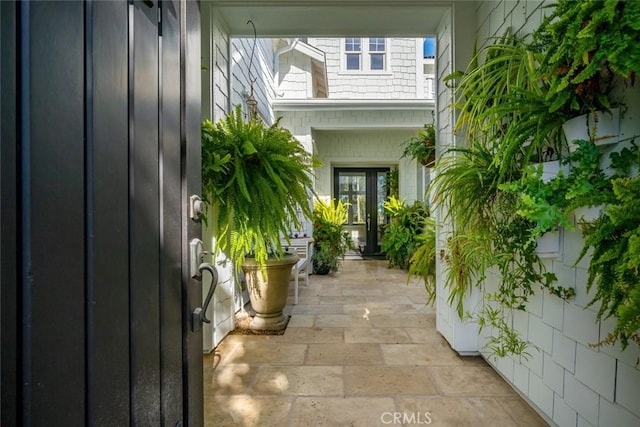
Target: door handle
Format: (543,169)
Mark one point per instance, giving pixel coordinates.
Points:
(200,313)
(197,267)
(368,222)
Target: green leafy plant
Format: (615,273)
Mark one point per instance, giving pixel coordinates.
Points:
(406,222)
(588,45)
(502,102)
(507,340)
(257,178)
(614,268)
(331,241)
(423,261)
(423,146)
(392,182)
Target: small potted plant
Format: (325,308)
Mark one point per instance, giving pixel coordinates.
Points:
(331,241)
(257,179)
(422,147)
(590,47)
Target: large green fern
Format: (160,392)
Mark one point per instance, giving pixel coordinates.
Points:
(614,269)
(258,179)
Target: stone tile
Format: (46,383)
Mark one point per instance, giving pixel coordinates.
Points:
(341,321)
(246,411)
(317,309)
(344,354)
(229,379)
(388,381)
(382,308)
(362,292)
(425,335)
(521,413)
(337,300)
(301,321)
(419,354)
(470,381)
(391,299)
(341,411)
(313,335)
(304,299)
(333,368)
(401,320)
(299,381)
(265,353)
(376,335)
(454,412)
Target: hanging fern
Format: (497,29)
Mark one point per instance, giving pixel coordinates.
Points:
(257,178)
(615,263)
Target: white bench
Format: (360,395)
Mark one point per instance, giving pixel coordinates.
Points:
(304,248)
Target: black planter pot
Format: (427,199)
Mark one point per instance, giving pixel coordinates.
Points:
(321,269)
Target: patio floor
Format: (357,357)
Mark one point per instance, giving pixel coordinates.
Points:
(361,349)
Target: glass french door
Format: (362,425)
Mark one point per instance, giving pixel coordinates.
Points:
(365,191)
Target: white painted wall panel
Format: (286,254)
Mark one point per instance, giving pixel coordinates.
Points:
(590,377)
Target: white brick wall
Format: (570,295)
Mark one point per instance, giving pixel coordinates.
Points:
(570,382)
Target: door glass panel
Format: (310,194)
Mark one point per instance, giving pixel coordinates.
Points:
(381,195)
(353,190)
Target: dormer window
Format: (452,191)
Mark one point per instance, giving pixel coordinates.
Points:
(364,54)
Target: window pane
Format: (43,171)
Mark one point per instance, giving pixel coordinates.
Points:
(353,61)
(352,44)
(376,44)
(377,61)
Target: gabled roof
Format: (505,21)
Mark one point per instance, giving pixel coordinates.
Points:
(318,66)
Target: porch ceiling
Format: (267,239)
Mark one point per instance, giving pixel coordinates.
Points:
(287,18)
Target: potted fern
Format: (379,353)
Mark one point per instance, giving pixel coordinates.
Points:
(257,178)
(590,47)
(422,147)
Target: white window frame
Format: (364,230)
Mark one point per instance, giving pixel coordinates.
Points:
(365,56)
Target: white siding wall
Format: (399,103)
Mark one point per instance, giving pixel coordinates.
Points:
(261,72)
(454,43)
(295,76)
(215,51)
(398,82)
(570,382)
(225,79)
(365,147)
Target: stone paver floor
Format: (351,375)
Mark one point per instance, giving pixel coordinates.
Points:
(361,349)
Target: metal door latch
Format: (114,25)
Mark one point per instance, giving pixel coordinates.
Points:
(196,267)
(196,207)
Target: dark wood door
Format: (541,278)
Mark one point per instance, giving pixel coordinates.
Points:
(100,111)
(365,191)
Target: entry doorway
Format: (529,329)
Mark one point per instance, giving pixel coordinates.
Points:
(365,190)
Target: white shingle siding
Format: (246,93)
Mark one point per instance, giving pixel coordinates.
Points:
(398,81)
(568,381)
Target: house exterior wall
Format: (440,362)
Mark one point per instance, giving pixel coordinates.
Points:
(261,73)
(335,138)
(216,97)
(294,75)
(566,379)
(398,81)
